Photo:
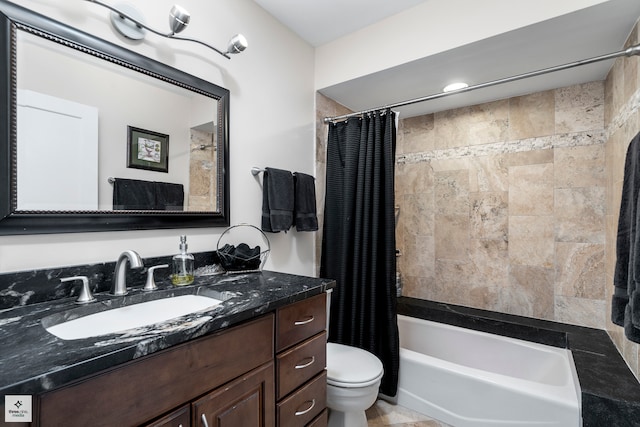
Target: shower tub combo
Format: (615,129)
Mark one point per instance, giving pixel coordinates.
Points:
(468,378)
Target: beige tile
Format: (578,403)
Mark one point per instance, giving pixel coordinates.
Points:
(414,178)
(531,190)
(418,257)
(489,215)
(453,279)
(446,165)
(631,71)
(531,241)
(489,272)
(451,194)
(451,237)
(418,134)
(580,270)
(529,158)
(489,123)
(530,292)
(580,215)
(616,96)
(581,311)
(451,128)
(488,173)
(421,287)
(580,166)
(474,125)
(531,115)
(579,107)
(417,214)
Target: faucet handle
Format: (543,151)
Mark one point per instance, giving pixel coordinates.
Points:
(151,284)
(85,292)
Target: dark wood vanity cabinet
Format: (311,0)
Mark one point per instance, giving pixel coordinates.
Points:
(265,372)
(301,383)
(132,394)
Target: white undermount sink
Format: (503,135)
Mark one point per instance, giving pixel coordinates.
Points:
(132,316)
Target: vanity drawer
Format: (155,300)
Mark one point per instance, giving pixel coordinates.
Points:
(299,321)
(321,420)
(304,405)
(301,363)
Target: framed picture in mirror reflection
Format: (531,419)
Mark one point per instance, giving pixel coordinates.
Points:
(147,150)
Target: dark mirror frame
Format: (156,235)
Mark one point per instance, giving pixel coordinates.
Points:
(15,18)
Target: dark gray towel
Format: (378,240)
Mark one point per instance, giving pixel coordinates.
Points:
(625,304)
(277,200)
(305,204)
(133,194)
(169,197)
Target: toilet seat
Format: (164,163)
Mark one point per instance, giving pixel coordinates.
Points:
(351,367)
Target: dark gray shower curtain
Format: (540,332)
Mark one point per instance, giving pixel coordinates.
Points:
(358,244)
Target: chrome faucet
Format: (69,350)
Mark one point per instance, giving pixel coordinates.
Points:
(119,281)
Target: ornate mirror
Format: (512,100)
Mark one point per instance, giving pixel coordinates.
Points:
(96,137)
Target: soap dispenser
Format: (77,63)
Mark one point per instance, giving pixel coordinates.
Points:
(182,265)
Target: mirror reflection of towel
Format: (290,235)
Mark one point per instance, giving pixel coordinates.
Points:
(169,197)
(133,194)
(305,204)
(277,200)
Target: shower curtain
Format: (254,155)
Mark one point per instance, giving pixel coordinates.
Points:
(358,244)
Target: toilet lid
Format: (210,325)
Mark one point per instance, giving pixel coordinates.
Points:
(351,367)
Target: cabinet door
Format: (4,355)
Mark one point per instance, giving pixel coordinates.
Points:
(247,401)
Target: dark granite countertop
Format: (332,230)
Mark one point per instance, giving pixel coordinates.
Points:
(33,361)
(610,391)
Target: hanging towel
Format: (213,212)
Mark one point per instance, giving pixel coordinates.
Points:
(169,197)
(277,200)
(133,194)
(305,203)
(625,304)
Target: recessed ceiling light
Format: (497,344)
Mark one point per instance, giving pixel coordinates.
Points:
(454,86)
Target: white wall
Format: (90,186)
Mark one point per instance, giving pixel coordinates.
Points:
(272,122)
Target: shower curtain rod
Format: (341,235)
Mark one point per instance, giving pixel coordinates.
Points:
(631,51)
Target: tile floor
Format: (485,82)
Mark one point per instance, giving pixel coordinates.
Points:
(384,414)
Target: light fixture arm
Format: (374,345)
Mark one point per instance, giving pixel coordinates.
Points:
(170,35)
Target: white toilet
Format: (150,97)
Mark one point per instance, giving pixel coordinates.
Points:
(353,379)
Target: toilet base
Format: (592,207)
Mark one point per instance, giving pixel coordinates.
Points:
(347,419)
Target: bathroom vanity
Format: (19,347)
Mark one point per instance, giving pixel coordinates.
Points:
(257,359)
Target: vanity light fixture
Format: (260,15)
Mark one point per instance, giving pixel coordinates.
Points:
(129,22)
(455,86)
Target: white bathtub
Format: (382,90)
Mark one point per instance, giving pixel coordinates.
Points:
(467,378)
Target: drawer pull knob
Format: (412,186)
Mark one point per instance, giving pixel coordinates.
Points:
(304,322)
(304,365)
(204,421)
(306,411)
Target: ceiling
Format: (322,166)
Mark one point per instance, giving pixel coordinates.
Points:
(585,33)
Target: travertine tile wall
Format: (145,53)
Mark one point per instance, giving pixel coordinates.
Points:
(512,206)
(622,118)
(203,183)
(502,205)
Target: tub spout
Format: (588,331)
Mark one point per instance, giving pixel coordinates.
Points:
(119,281)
